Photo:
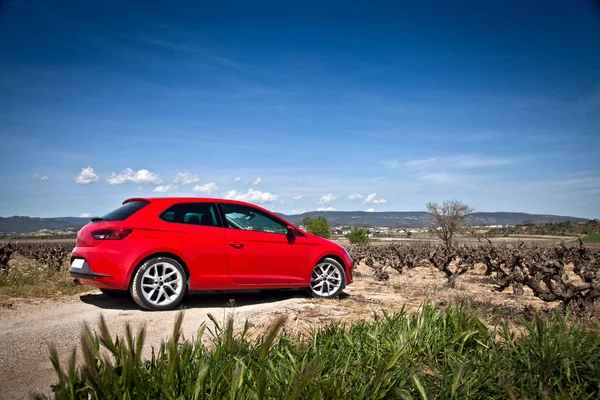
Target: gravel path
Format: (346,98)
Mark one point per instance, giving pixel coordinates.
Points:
(28,327)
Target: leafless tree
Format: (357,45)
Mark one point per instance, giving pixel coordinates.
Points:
(448,218)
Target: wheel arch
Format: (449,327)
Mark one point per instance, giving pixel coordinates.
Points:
(160,254)
(338,259)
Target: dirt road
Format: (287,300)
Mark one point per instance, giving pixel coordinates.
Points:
(27,327)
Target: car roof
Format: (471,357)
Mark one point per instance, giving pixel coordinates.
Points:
(170,200)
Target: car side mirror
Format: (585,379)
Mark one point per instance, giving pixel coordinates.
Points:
(290,233)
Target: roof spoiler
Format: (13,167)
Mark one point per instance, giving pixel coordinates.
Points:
(136,199)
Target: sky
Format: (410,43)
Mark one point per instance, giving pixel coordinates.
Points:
(300,105)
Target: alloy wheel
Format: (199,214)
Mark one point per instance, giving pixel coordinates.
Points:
(162,284)
(326,279)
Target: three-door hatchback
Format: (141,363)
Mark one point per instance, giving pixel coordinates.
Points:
(158,249)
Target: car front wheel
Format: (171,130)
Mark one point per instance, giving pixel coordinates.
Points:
(328,279)
(159,284)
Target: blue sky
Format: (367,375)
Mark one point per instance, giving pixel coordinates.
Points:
(300,106)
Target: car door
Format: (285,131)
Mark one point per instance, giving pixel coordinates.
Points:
(258,250)
(196,231)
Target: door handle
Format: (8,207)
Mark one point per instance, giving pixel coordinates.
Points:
(236,245)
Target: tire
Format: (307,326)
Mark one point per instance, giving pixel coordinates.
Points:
(327,280)
(159,284)
(114,293)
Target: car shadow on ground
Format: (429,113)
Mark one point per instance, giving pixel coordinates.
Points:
(217,299)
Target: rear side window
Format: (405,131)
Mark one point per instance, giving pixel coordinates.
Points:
(192,213)
(125,211)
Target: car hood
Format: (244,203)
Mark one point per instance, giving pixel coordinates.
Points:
(319,239)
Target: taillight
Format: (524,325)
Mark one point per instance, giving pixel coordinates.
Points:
(111,234)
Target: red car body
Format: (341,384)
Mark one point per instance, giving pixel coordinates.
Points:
(214,257)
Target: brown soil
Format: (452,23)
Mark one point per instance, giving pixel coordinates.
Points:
(28,326)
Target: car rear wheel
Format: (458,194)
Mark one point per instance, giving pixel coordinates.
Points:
(327,280)
(159,284)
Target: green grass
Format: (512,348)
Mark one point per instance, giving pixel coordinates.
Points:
(28,278)
(591,238)
(431,354)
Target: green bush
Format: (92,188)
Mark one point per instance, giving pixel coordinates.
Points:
(317,226)
(358,236)
(430,354)
(591,238)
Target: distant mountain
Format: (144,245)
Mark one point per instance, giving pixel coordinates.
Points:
(409,219)
(419,219)
(31,224)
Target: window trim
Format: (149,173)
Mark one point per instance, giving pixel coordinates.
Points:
(209,203)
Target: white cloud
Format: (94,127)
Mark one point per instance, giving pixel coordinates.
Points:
(207,188)
(252,196)
(40,177)
(143,176)
(85,215)
(256,181)
(326,209)
(586,181)
(370,210)
(298,211)
(370,199)
(355,196)
(86,176)
(392,164)
(237,179)
(327,199)
(461,161)
(293,200)
(166,188)
(185,178)
(442,177)
(422,163)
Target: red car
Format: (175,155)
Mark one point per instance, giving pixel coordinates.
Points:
(160,248)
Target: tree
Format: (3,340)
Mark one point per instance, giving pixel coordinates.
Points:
(448,218)
(358,236)
(317,226)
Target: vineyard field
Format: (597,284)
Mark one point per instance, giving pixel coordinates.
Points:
(389,278)
(556,273)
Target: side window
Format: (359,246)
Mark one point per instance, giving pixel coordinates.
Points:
(250,219)
(168,216)
(192,213)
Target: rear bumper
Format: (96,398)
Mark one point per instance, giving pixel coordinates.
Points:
(103,267)
(85,272)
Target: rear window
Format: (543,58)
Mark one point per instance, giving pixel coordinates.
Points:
(125,211)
